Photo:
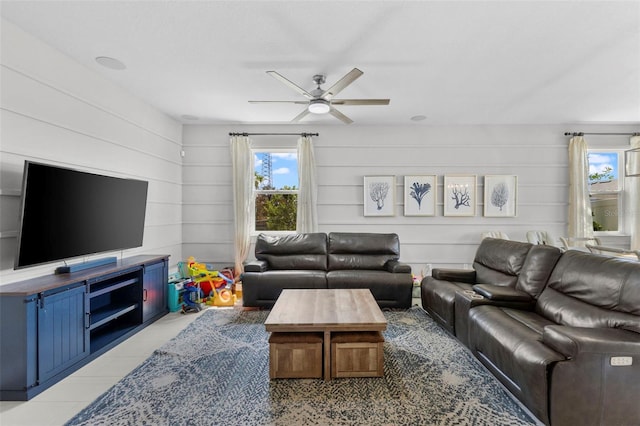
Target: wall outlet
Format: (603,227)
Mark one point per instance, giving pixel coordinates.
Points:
(621,361)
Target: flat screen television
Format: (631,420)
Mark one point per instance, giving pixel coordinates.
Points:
(68,213)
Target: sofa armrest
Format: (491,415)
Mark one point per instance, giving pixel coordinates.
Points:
(256,266)
(459,275)
(600,379)
(502,293)
(397,267)
(571,341)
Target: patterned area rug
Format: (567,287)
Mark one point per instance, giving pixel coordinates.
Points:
(216,371)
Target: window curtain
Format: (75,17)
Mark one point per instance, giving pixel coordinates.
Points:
(242,198)
(307,217)
(580,218)
(632,186)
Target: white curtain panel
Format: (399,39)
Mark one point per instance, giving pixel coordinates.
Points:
(580,218)
(632,185)
(307,218)
(242,198)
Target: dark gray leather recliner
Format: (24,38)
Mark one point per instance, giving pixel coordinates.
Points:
(565,339)
(336,260)
(287,261)
(574,358)
(499,263)
(361,260)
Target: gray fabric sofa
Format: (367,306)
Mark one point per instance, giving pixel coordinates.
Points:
(568,346)
(334,260)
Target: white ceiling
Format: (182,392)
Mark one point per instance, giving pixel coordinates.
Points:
(474,62)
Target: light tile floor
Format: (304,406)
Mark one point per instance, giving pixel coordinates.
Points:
(62,401)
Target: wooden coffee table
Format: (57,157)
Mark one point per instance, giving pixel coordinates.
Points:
(330,311)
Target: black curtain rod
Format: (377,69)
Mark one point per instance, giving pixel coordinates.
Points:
(274,134)
(601,134)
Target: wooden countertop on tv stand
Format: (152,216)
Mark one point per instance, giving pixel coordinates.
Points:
(48,282)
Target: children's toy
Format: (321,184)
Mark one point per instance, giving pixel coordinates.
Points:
(175,292)
(191,298)
(225,297)
(214,285)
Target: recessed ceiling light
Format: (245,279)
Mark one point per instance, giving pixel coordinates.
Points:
(189,117)
(111,63)
(418,117)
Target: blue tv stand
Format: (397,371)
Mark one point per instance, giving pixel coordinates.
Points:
(99,307)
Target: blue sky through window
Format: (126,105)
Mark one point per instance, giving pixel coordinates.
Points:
(284,168)
(599,161)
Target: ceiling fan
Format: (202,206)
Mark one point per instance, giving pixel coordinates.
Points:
(320,101)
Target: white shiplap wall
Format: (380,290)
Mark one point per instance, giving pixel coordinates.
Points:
(54,110)
(538,155)
(57,111)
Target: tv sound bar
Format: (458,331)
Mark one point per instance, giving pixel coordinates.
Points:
(67,269)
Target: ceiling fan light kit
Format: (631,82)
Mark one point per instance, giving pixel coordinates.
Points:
(321,101)
(319,106)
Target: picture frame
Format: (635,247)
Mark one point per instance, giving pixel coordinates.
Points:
(459,195)
(500,195)
(420,194)
(379,195)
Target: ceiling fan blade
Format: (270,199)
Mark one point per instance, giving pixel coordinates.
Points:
(279,102)
(291,84)
(340,116)
(300,116)
(360,102)
(342,83)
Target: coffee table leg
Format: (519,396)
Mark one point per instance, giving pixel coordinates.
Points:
(327,355)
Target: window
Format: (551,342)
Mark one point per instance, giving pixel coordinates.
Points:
(275,190)
(606,190)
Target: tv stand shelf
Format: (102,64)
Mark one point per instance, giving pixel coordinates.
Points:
(53,325)
(104,338)
(100,290)
(104,315)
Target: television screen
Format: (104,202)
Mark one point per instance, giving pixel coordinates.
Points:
(67,213)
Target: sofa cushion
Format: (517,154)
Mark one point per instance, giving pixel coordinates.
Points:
(499,261)
(537,268)
(295,251)
(390,290)
(589,290)
(351,250)
(262,289)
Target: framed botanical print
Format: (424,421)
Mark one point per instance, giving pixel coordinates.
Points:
(459,195)
(500,195)
(379,195)
(420,195)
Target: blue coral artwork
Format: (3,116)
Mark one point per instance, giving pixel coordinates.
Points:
(459,197)
(500,195)
(379,195)
(420,195)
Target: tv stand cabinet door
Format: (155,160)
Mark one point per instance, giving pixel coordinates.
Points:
(62,336)
(154,290)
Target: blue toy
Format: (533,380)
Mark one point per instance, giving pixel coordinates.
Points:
(191,298)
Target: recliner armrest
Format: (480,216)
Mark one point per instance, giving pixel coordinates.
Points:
(256,266)
(502,293)
(397,267)
(460,275)
(570,341)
